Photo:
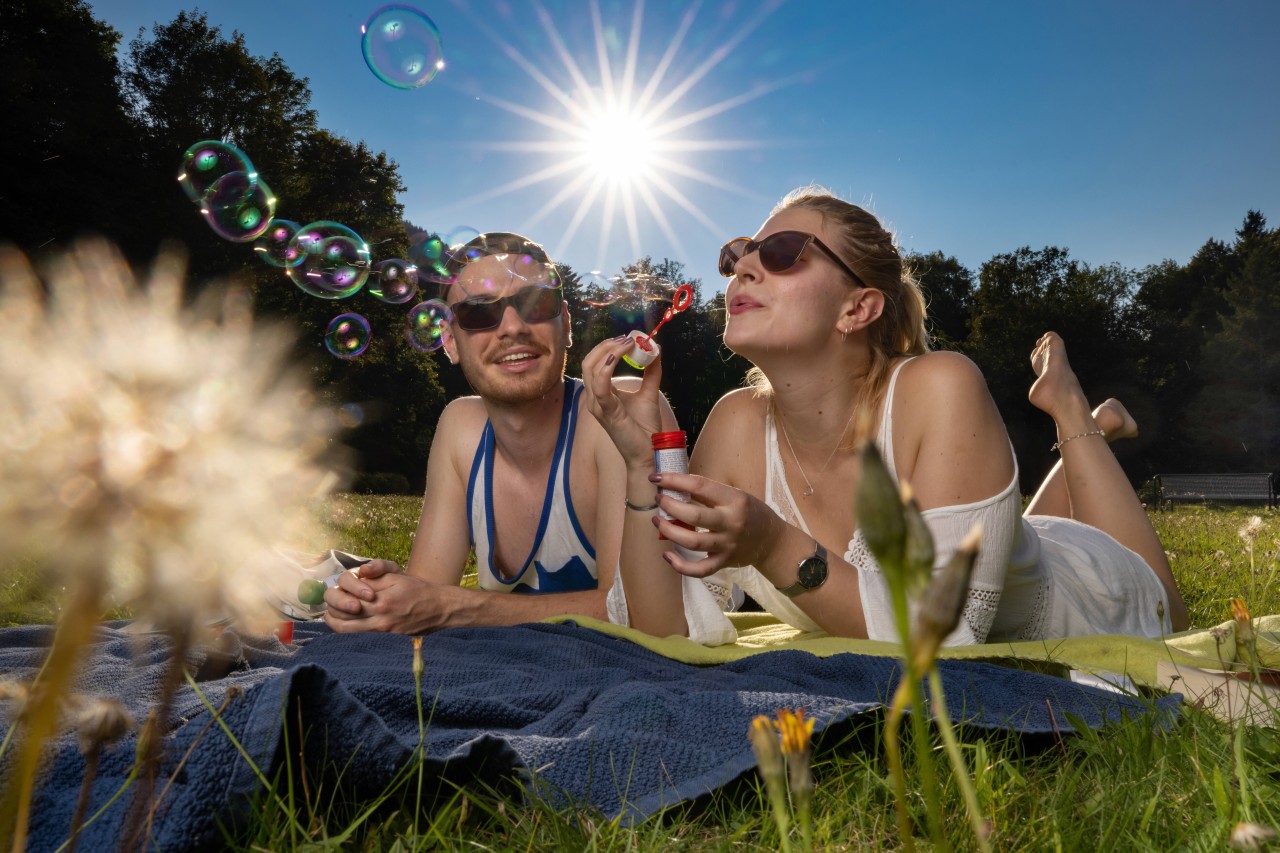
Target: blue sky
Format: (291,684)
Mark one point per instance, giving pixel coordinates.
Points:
(1127,132)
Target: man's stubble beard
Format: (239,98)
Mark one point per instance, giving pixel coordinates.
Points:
(514,393)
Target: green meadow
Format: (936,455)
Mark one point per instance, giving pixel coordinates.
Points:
(1127,788)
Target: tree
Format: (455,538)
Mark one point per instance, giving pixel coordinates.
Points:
(1025,293)
(948,290)
(1232,419)
(72,163)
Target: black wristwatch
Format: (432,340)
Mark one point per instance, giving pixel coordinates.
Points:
(811,573)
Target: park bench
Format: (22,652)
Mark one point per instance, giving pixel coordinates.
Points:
(1216,487)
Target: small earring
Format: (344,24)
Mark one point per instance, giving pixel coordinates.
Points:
(844,333)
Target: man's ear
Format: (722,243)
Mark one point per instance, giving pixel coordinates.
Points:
(567,324)
(450,344)
(862,308)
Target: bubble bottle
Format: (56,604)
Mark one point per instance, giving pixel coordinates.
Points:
(671,456)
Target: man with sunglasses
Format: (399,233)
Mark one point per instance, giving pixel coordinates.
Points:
(521,473)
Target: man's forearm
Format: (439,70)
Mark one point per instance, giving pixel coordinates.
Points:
(475,607)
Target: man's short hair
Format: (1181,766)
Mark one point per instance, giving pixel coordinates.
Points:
(492,243)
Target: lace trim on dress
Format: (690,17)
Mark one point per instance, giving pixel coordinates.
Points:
(980,611)
(859,554)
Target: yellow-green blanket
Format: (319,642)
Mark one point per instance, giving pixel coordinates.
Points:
(1136,657)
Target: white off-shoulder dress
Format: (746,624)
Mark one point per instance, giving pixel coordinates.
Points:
(1036,577)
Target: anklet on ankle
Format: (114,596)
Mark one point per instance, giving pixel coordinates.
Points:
(1058,444)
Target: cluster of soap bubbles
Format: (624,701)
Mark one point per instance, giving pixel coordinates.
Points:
(235,201)
(629,294)
(325,259)
(401,46)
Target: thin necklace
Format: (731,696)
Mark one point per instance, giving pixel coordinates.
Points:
(808,486)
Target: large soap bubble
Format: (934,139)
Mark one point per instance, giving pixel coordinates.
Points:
(427,321)
(394,281)
(348,335)
(238,207)
(335,261)
(401,46)
(275,246)
(205,162)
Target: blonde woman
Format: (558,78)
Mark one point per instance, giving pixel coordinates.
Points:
(823,306)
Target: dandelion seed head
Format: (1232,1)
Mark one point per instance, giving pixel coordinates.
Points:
(1251,529)
(147,446)
(100,722)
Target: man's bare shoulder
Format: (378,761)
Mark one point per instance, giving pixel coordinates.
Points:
(461,423)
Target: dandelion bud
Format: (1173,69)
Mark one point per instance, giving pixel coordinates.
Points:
(880,514)
(418,665)
(918,557)
(101,722)
(1245,639)
(764,743)
(944,599)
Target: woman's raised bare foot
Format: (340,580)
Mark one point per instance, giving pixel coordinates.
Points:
(1056,391)
(1114,420)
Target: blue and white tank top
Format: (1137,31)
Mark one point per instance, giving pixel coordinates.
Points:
(562,560)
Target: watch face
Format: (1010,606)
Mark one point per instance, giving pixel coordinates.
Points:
(813,572)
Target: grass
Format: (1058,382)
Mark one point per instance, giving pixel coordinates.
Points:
(1127,788)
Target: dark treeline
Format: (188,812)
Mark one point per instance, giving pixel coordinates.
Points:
(93,146)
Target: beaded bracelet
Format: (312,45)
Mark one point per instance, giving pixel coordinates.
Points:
(1058,444)
(638,507)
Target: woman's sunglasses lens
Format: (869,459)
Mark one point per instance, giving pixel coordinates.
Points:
(779,252)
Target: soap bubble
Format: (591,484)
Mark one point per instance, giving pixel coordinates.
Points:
(348,335)
(394,281)
(429,253)
(238,207)
(205,162)
(402,47)
(426,325)
(275,246)
(335,261)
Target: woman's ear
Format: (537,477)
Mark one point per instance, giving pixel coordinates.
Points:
(863,307)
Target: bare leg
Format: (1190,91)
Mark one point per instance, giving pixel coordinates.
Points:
(1052,498)
(1098,492)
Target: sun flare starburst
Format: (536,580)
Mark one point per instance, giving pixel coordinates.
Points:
(618,143)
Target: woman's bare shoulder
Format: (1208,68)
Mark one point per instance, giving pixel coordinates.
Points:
(729,445)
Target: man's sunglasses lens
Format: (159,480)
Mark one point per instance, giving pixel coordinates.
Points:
(534,305)
(778,252)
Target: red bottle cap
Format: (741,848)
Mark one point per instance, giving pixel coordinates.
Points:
(669,440)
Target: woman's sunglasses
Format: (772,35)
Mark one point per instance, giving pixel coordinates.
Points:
(534,304)
(779,252)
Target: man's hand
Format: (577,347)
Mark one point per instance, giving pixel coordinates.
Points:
(380,598)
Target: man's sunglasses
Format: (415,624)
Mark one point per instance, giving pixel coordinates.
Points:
(534,304)
(779,252)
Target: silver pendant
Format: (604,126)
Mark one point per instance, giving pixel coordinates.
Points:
(808,491)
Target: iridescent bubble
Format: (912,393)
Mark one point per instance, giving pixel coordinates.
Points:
(348,335)
(461,235)
(276,247)
(426,325)
(428,254)
(238,207)
(335,261)
(402,47)
(205,162)
(394,281)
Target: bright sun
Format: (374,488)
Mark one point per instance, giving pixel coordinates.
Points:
(617,145)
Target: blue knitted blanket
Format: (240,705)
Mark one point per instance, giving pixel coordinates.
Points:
(571,714)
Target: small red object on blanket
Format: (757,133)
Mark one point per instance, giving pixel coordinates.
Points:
(284,633)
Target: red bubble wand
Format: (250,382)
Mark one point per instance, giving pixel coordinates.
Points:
(643,350)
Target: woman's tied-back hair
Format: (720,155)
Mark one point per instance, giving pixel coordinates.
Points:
(864,244)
